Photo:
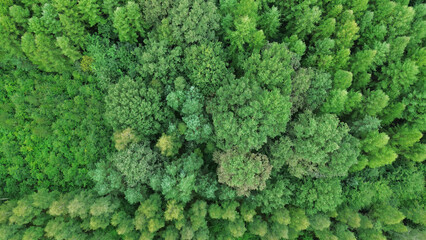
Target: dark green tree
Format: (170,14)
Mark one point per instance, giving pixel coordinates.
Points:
(133,103)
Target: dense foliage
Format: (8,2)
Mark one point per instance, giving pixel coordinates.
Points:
(205,119)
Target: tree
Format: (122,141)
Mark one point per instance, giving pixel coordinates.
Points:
(245,115)
(198,212)
(69,50)
(137,163)
(43,198)
(178,178)
(60,206)
(299,221)
(374,140)
(158,63)
(131,103)
(281,216)
(277,231)
(335,102)
(278,192)
(111,61)
(300,84)
(319,222)
(61,228)
(258,227)
(174,211)
(342,232)
(382,156)
(362,61)
(270,22)
(187,233)
(86,64)
(349,216)
(42,51)
(353,101)
(325,29)
(153,11)
(90,12)
(123,138)
(237,228)
(47,23)
(392,112)
(330,155)
(398,77)
(171,233)
(24,212)
(376,150)
(33,233)
(168,145)
(374,102)
(227,211)
(108,180)
(149,216)
(346,32)
(206,67)
(14,19)
(415,213)
(272,67)
(239,23)
(387,214)
(80,205)
(128,22)
(405,137)
(322,54)
(101,212)
(247,211)
(416,153)
(190,105)
(325,234)
(318,90)
(194,21)
(320,195)
(244,172)
(302,20)
(123,223)
(342,79)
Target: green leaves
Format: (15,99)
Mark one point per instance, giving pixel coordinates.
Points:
(41,50)
(131,103)
(322,147)
(136,163)
(244,172)
(239,24)
(387,214)
(272,68)
(123,138)
(193,21)
(178,178)
(159,63)
(342,79)
(206,67)
(190,105)
(128,22)
(245,115)
(148,217)
(230,119)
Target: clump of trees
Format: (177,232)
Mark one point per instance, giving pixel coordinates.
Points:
(201,119)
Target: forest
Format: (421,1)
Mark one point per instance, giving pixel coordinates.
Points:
(212,119)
